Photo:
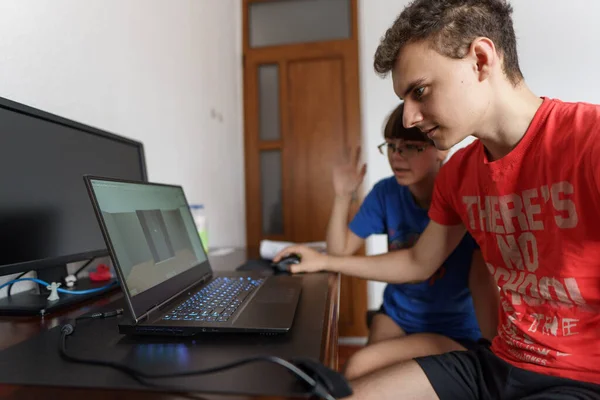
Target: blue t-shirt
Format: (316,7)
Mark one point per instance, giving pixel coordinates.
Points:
(442,304)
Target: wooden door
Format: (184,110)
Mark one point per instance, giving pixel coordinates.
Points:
(301,107)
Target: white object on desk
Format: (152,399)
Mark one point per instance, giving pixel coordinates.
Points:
(221,251)
(70,280)
(269,248)
(53,288)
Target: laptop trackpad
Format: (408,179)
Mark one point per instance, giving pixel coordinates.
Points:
(274,294)
(274,305)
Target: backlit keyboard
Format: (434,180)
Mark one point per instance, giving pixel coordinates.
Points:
(216,302)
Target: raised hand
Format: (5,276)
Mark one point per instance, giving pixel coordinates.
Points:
(348,174)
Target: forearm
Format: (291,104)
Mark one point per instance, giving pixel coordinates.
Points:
(401,266)
(395,267)
(409,265)
(337,230)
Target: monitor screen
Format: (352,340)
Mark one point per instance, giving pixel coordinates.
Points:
(151,231)
(46,217)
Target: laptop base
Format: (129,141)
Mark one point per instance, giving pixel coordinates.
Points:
(129,329)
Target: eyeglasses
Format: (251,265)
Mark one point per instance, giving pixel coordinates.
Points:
(406,150)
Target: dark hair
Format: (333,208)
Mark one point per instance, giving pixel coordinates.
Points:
(394,128)
(451,26)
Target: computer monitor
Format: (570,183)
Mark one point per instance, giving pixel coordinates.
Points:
(46,217)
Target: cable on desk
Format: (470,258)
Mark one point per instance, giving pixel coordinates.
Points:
(60,290)
(316,388)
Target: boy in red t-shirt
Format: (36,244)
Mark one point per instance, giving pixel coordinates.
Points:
(528,191)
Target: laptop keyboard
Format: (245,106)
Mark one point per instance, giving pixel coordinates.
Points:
(217,301)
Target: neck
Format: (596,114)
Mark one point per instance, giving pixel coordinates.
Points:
(507,119)
(422,191)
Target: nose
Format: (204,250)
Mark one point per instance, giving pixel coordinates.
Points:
(398,155)
(412,114)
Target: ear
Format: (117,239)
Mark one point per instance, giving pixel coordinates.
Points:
(483,51)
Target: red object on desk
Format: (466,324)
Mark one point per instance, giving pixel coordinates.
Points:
(102,273)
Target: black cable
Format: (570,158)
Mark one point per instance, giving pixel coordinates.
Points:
(84,266)
(11,285)
(141,376)
(98,315)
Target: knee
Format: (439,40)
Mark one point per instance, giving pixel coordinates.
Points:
(355,366)
(351,368)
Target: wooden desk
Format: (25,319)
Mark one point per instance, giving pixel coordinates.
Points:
(14,330)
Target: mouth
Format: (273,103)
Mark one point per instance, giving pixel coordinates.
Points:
(401,171)
(430,132)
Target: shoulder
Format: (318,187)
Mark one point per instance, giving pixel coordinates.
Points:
(579,118)
(573,127)
(379,194)
(387,185)
(581,113)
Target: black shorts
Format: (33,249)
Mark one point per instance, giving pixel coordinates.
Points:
(479,374)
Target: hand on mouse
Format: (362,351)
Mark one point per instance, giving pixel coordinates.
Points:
(310,260)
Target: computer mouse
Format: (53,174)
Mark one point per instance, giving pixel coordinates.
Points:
(334,382)
(283,265)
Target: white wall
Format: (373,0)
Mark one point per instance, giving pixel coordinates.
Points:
(167,73)
(558,45)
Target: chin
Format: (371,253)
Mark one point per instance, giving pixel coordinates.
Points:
(405,180)
(444,143)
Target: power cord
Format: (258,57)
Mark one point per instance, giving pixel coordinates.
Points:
(84,266)
(60,290)
(317,389)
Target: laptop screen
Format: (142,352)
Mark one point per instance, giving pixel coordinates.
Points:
(151,231)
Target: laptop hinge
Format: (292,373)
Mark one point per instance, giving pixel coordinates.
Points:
(156,307)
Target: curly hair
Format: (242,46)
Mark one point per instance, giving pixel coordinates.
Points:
(451,26)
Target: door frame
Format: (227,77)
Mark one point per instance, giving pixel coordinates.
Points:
(354,292)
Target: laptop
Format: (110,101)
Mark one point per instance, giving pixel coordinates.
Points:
(165,274)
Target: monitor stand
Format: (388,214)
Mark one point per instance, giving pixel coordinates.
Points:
(35,301)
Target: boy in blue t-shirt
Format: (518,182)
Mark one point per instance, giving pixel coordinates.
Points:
(420,318)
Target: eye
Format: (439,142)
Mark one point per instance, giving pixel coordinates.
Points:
(414,147)
(419,92)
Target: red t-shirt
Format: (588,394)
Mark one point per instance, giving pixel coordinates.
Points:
(535,213)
